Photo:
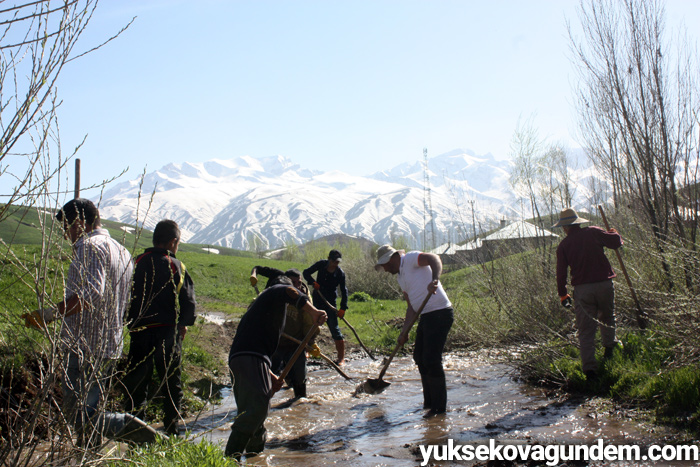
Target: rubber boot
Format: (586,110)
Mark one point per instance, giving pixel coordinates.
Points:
(137,431)
(256,444)
(340,348)
(427,400)
(300,390)
(172,427)
(235,447)
(438,393)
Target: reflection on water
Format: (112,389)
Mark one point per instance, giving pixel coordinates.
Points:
(335,426)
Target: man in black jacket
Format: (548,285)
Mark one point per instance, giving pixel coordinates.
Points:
(162,306)
(329,278)
(254,383)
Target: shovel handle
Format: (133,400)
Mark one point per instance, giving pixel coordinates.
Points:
(358,338)
(348,324)
(641,315)
(398,346)
(325,357)
(298,351)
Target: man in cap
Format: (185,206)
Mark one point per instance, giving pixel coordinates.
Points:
(92,315)
(419,274)
(329,279)
(582,251)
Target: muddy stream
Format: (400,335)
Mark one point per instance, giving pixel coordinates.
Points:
(336,426)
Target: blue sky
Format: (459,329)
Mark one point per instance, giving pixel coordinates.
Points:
(357,86)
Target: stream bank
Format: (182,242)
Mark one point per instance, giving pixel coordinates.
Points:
(334,425)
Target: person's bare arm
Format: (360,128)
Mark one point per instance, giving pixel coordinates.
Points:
(435,263)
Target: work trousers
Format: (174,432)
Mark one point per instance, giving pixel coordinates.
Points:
(431,337)
(159,347)
(594,305)
(332,319)
(85,383)
(252,387)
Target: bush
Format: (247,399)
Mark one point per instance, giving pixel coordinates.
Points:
(360,297)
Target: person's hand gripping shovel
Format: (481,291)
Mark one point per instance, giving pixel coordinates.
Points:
(342,316)
(277,385)
(373,386)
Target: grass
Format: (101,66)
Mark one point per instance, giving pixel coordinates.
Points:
(175,452)
(641,373)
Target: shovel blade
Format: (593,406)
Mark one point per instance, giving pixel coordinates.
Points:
(372,386)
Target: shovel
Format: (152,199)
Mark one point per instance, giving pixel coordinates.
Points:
(348,324)
(298,351)
(641,315)
(372,386)
(325,357)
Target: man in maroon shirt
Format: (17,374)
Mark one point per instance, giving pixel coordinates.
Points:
(582,251)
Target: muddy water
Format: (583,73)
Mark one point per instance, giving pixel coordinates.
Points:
(336,426)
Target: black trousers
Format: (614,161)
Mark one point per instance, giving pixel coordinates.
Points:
(252,386)
(431,337)
(161,348)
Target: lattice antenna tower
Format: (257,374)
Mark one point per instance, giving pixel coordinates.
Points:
(427,206)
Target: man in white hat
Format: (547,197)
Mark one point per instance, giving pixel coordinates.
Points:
(582,250)
(419,274)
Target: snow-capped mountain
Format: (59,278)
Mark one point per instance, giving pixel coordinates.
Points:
(271,202)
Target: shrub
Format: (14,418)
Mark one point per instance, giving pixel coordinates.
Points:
(360,297)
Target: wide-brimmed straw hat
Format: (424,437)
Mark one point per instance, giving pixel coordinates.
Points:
(569,217)
(384,254)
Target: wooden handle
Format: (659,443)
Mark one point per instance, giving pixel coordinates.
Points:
(348,324)
(325,357)
(641,316)
(358,338)
(398,346)
(298,351)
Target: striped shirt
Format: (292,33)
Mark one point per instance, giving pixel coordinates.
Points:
(100,274)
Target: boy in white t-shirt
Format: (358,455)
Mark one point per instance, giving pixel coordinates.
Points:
(419,275)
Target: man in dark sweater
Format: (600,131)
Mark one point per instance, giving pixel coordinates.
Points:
(256,340)
(162,306)
(582,251)
(329,278)
(296,325)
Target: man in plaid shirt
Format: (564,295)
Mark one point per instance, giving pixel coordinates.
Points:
(92,315)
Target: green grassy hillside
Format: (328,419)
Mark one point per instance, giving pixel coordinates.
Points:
(25,226)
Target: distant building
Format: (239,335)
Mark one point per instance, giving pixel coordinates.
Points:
(512,238)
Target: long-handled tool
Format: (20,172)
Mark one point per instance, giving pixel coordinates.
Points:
(348,324)
(372,386)
(298,351)
(325,357)
(641,315)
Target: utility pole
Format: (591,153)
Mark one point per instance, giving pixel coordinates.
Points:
(471,201)
(76,192)
(427,205)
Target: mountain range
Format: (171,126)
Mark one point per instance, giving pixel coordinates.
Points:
(249,203)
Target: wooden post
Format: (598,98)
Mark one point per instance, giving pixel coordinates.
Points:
(641,315)
(76,194)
